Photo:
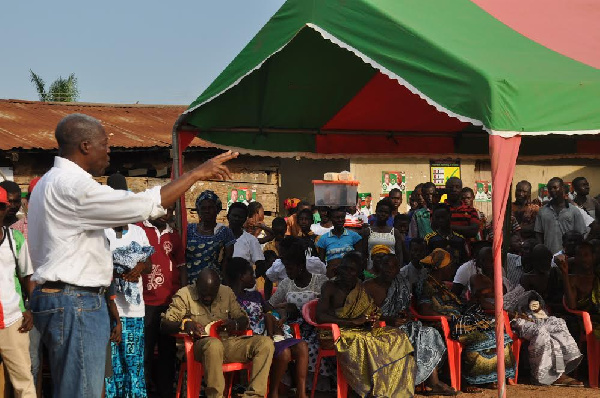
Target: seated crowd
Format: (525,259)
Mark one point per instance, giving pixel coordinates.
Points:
(373,275)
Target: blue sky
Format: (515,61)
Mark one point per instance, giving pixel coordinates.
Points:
(154,52)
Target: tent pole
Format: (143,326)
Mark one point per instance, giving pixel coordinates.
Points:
(177,166)
(503,153)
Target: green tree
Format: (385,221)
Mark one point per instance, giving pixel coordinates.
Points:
(61,90)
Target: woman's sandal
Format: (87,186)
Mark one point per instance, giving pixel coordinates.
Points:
(440,389)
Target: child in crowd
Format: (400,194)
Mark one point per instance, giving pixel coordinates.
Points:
(264,320)
(337,242)
(306,234)
(279,227)
(325,225)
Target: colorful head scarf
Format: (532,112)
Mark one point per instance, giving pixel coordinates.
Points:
(380,249)
(209,195)
(291,203)
(439,258)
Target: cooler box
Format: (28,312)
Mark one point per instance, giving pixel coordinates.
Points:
(335,193)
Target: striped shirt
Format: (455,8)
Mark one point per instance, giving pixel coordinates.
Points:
(463,215)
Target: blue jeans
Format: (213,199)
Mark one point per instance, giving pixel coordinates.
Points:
(75,328)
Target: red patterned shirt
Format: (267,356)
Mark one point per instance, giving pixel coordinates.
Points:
(163,282)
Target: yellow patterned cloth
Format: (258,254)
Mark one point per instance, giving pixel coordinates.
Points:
(377,362)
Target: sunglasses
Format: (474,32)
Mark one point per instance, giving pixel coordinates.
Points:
(3,206)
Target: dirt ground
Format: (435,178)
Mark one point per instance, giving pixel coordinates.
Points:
(526,391)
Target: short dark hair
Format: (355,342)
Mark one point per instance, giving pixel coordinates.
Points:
(574,234)
(117,181)
(353,257)
(385,202)
(442,206)
(416,241)
(453,178)
(279,222)
(401,217)
(468,189)
(308,212)
(576,180)
(294,251)
(418,186)
(394,190)
(524,182)
(238,205)
(428,184)
(253,208)
(556,179)
(236,267)
(332,210)
(10,186)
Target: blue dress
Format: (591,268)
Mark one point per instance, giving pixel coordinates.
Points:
(202,251)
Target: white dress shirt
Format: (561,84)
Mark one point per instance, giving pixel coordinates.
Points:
(68,213)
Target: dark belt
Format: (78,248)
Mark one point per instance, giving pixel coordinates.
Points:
(62,285)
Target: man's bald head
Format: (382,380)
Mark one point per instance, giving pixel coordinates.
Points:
(82,139)
(73,129)
(207,286)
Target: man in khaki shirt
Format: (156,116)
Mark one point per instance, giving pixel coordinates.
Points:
(194,307)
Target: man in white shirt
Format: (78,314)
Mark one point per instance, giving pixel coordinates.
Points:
(70,254)
(246,245)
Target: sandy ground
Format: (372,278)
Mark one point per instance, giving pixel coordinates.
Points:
(525,390)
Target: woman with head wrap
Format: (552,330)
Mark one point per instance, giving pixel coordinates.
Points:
(468,324)
(206,239)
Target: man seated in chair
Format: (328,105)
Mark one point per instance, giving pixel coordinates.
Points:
(376,361)
(206,301)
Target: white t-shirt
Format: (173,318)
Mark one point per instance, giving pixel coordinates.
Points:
(467,270)
(134,234)
(318,229)
(9,297)
(276,273)
(248,247)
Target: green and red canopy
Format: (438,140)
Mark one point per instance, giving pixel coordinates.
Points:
(339,77)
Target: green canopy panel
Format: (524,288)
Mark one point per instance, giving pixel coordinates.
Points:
(336,77)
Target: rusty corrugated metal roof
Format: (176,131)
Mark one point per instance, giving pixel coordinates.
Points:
(31,124)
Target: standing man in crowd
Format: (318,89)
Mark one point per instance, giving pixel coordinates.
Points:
(68,213)
(524,210)
(15,320)
(583,198)
(246,245)
(167,276)
(14,201)
(465,219)
(557,217)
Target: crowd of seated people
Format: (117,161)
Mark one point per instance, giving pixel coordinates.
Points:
(373,278)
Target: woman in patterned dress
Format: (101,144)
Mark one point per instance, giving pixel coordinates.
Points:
(206,239)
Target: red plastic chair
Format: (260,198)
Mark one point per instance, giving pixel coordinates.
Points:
(592,343)
(453,347)
(308,313)
(195,371)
